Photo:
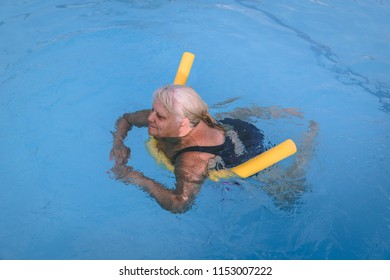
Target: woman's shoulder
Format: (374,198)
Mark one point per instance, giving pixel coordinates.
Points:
(208,136)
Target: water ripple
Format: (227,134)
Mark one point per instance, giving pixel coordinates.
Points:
(77,5)
(327,59)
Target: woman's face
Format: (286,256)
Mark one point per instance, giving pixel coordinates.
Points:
(162,123)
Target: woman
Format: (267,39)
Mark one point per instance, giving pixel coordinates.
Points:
(192,140)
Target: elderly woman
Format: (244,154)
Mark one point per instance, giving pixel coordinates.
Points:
(190,138)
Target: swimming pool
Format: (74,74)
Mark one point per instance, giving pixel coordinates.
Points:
(69,69)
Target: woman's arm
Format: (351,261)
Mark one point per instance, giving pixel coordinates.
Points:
(119,151)
(190,172)
(245,113)
(190,169)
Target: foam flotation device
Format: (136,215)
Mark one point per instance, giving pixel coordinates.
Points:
(184,68)
(244,170)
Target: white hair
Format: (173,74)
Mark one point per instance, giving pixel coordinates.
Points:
(184,102)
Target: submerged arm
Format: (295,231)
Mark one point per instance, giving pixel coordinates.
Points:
(190,172)
(245,113)
(119,151)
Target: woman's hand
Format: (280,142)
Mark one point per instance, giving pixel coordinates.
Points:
(121,171)
(120,153)
(127,174)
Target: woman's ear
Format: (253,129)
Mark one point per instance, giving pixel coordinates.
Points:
(185,123)
(185,127)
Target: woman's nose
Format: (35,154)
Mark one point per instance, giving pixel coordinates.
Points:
(151,116)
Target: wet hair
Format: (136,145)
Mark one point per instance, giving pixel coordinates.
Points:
(185,102)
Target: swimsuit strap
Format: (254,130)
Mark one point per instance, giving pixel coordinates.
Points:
(215,150)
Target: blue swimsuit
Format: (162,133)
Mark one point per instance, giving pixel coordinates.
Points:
(243,141)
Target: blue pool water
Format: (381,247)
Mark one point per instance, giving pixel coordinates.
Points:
(69,69)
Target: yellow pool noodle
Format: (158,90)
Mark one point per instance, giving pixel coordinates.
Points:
(184,68)
(244,170)
(266,159)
